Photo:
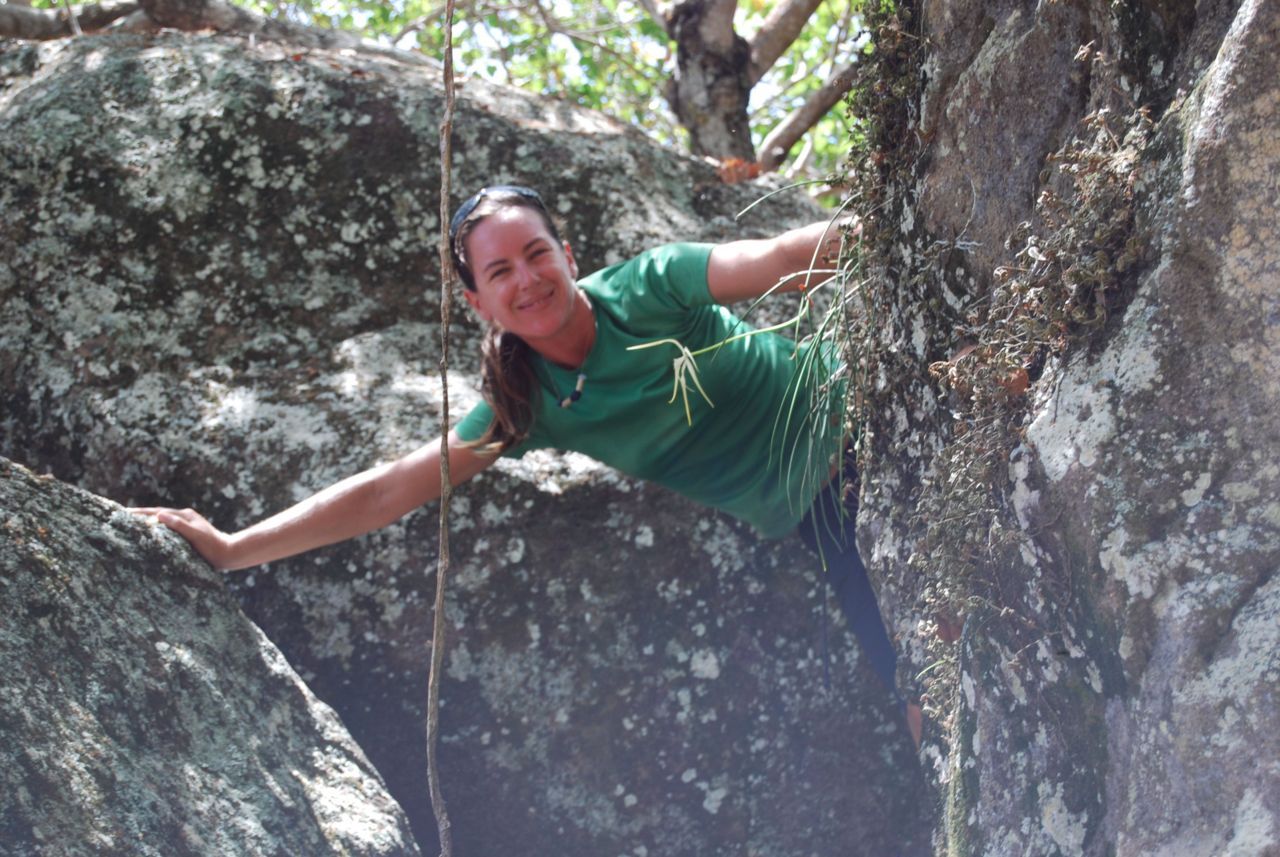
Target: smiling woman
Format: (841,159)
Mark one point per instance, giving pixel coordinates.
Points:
(562,370)
(525,284)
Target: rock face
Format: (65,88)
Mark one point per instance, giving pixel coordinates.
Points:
(1107,177)
(144,714)
(218,286)
(215,286)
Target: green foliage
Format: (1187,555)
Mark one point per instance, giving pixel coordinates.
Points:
(832,37)
(608,55)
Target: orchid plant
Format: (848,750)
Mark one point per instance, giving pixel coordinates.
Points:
(685,365)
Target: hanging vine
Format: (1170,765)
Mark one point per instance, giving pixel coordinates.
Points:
(446,483)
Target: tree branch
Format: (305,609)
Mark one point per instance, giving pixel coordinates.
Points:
(223,17)
(555,26)
(797,166)
(21,22)
(776,34)
(773,151)
(655,12)
(716,25)
(138,22)
(430,15)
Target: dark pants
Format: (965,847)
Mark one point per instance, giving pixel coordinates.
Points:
(828,530)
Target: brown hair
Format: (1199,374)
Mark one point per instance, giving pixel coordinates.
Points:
(507,381)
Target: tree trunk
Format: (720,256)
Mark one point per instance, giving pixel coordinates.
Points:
(712,82)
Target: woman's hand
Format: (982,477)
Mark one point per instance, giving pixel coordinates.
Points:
(798,259)
(208,541)
(352,507)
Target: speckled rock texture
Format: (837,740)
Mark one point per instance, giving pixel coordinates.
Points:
(219,287)
(1118,671)
(142,713)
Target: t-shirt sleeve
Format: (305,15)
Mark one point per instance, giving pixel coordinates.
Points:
(472,427)
(659,283)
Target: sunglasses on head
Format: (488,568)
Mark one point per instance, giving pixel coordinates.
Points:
(464,210)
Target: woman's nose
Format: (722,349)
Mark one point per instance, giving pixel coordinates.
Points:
(524,276)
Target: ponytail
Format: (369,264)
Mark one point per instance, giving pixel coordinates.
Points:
(507,383)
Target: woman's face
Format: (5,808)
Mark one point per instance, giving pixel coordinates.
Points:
(524,278)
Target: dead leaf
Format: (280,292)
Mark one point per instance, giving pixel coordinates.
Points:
(1016,382)
(734,170)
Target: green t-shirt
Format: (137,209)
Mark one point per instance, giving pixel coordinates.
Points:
(744,455)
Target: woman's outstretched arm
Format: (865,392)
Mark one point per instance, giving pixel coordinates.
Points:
(352,507)
(747,269)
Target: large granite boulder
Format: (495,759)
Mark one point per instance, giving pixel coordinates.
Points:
(219,283)
(142,713)
(1077,395)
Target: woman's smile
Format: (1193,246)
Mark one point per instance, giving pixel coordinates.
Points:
(537,302)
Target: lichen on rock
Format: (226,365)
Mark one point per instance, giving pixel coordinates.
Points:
(144,714)
(1076,395)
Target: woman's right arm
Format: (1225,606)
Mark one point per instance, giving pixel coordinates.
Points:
(352,507)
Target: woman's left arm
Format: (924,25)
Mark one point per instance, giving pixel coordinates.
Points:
(745,270)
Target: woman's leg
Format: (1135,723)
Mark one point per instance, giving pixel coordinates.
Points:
(828,530)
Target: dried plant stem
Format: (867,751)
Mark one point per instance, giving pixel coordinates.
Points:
(446,484)
(73,19)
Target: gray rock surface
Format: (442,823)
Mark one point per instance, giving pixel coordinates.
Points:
(1116,681)
(219,290)
(143,714)
(217,284)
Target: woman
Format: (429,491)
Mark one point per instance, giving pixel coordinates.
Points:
(588,366)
